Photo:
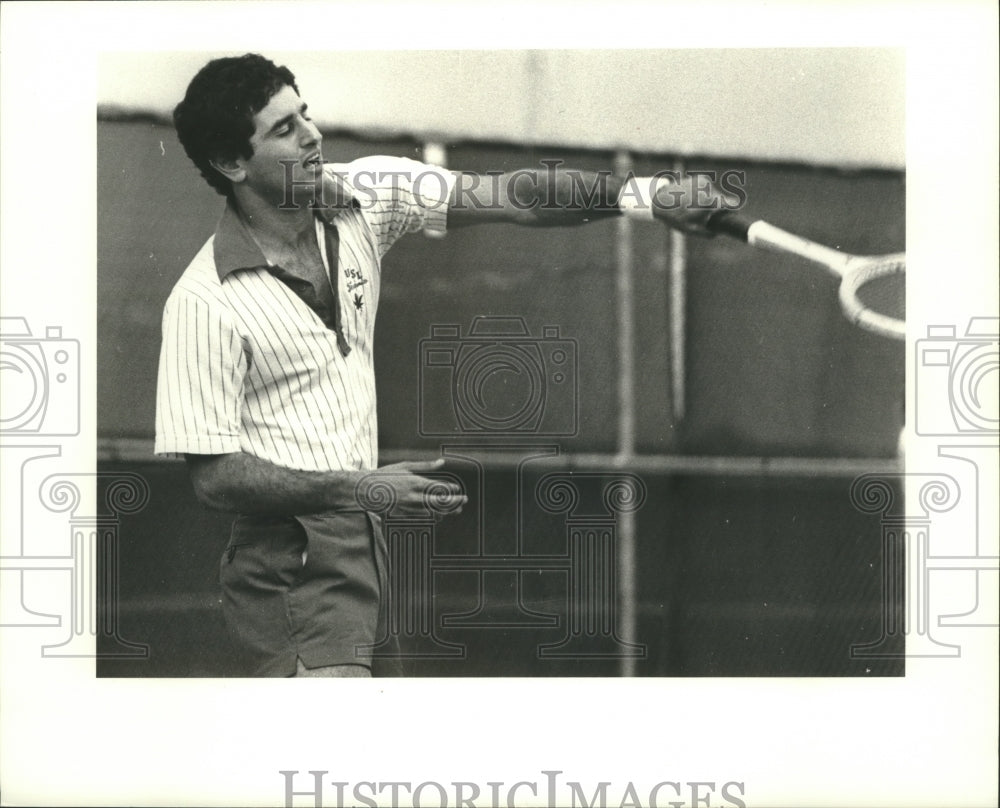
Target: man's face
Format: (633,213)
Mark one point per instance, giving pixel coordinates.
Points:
(287,151)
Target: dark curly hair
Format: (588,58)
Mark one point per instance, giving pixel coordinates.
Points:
(215,119)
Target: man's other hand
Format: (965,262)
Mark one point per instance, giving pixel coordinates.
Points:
(404,489)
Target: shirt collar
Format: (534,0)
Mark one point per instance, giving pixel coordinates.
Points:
(234,248)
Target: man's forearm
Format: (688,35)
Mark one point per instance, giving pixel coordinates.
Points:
(242,483)
(557,196)
(551,196)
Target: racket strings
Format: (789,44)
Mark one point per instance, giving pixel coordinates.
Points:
(885,294)
(874,295)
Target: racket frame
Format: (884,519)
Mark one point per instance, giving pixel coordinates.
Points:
(853,271)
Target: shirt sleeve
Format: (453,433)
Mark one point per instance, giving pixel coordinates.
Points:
(398,196)
(199,389)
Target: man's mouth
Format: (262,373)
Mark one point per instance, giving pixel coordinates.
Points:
(313,161)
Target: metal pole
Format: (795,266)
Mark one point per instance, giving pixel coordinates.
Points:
(678,299)
(625,300)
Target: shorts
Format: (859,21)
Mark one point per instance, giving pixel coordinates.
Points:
(308,587)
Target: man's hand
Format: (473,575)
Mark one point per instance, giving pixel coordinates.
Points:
(404,489)
(686,202)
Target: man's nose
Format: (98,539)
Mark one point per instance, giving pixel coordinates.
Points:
(310,134)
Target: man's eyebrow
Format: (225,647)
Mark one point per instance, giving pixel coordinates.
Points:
(287,119)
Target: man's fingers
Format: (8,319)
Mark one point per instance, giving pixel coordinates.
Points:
(445,496)
(432,486)
(438,505)
(417,491)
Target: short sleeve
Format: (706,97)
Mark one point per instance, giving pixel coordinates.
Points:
(199,389)
(398,195)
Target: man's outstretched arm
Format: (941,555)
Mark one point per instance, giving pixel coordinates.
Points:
(557,196)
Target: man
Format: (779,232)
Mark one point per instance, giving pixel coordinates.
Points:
(266,381)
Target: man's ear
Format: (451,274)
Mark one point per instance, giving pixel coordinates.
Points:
(229,167)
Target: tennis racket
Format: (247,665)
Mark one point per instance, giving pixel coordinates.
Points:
(872,287)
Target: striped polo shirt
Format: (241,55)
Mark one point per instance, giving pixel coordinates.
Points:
(246,365)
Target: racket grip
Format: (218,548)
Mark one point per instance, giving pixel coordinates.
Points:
(730,224)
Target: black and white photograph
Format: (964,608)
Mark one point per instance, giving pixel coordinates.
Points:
(600,434)
(561,384)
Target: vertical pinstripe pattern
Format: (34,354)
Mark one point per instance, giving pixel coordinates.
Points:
(246,365)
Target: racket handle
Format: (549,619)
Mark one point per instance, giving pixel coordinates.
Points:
(729,223)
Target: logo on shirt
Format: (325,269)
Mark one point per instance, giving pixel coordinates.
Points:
(355,278)
(358,302)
